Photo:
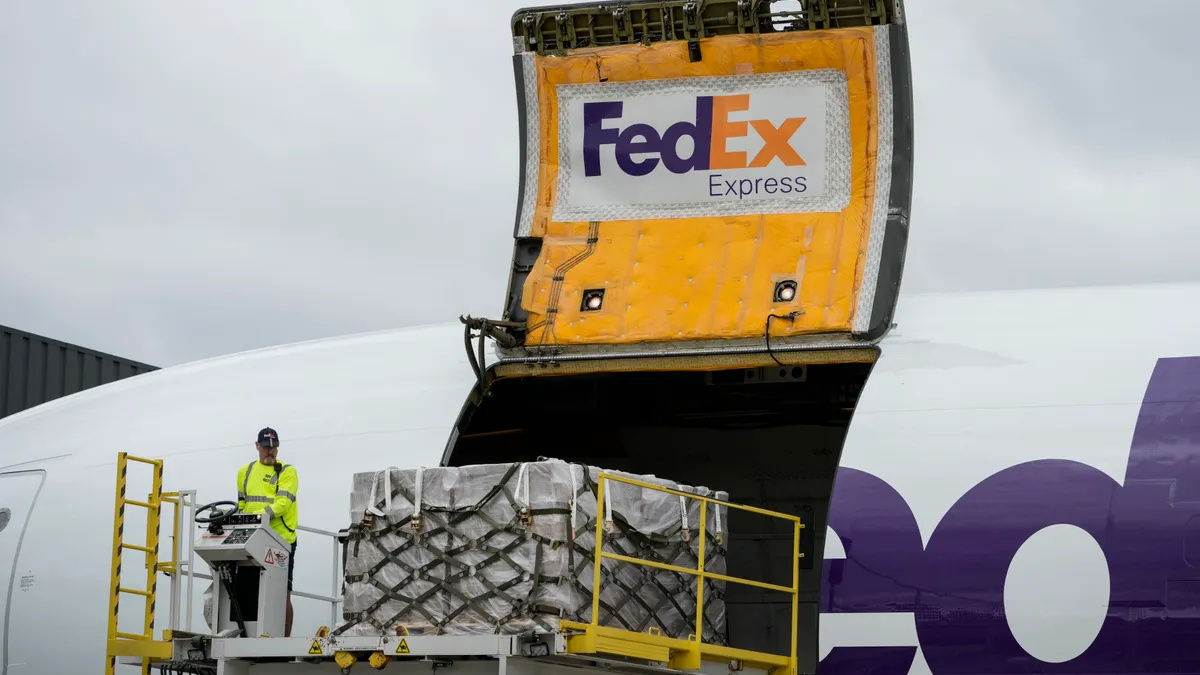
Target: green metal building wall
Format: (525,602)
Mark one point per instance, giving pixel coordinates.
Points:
(36,369)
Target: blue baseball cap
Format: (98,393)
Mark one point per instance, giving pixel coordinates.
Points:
(268,438)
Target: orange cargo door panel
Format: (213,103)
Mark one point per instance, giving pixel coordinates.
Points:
(682,191)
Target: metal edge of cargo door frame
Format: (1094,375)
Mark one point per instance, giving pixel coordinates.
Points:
(894,245)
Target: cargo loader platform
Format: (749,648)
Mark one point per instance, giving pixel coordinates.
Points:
(577,646)
(243,644)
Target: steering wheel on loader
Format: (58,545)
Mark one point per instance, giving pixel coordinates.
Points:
(217,518)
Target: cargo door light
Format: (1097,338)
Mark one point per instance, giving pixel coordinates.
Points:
(785,291)
(593,300)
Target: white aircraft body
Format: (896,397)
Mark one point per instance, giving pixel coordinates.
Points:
(1018,490)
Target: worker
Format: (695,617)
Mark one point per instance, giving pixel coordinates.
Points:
(268,485)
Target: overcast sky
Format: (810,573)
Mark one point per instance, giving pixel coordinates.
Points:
(178,181)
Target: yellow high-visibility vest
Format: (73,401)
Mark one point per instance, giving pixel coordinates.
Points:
(263,488)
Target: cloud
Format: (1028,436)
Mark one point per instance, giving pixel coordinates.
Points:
(179,181)
(1034,167)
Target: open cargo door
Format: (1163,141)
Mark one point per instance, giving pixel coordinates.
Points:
(691,169)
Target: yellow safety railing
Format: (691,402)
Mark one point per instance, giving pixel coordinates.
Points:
(136,644)
(678,653)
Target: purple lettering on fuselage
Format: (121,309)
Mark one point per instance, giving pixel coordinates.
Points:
(955,586)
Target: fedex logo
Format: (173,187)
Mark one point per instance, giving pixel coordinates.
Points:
(701,146)
(709,134)
(1147,527)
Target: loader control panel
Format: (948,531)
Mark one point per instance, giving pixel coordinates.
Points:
(239,536)
(244,519)
(251,561)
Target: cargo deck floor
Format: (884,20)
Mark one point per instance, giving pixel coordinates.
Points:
(589,648)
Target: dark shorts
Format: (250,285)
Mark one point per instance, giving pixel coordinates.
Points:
(292,566)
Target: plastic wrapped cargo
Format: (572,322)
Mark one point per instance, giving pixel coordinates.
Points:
(509,548)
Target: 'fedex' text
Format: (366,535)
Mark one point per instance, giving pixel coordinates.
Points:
(710,133)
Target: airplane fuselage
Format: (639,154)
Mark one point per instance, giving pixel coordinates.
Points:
(1016,492)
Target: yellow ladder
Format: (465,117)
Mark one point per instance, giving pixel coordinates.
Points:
(135,644)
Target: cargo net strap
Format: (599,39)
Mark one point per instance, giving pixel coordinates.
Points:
(500,565)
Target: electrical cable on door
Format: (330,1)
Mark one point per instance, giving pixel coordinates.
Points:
(790,316)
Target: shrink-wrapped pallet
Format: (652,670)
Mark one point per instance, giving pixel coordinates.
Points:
(509,548)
